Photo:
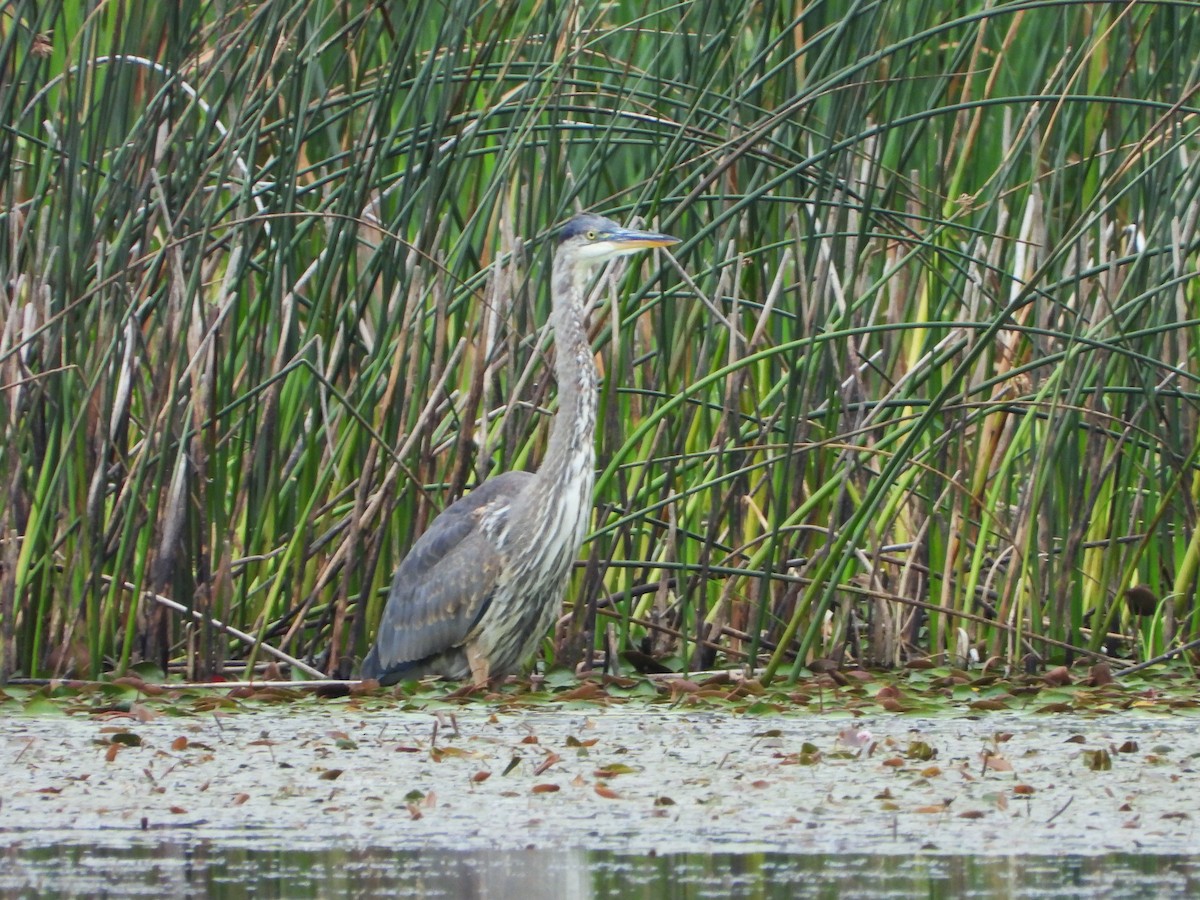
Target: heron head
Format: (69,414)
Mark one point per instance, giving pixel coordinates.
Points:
(595,239)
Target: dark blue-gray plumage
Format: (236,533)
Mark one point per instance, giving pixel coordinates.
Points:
(479,589)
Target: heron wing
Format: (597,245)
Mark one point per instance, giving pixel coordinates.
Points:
(444,585)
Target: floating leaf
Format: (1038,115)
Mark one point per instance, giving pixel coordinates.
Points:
(989,705)
(1097,760)
(920,750)
(546,763)
(611,771)
(331,774)
(545,789)
(606,792)
(481,776)
(995,762)
(1057,677)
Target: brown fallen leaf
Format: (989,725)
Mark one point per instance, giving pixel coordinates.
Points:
(545,788)
(239,799)
(481,776)
(546,763)
(995,762)
(178,810)
(1023,790)
(1101,674)
(1058,676)
(331,774)
(606,792)
(972,814)
(180,743)
(589,690)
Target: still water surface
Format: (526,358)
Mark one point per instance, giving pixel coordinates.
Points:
(176,868)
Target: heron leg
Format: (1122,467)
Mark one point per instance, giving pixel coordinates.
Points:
(480,670)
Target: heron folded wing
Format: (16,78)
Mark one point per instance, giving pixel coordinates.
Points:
(443,586)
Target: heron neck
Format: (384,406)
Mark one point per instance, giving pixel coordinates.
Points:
(571,452)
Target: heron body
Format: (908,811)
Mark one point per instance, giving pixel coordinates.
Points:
(480,588)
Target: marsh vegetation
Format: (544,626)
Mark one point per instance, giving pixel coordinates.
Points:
(921,382)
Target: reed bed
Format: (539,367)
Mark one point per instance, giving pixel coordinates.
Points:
(920,382)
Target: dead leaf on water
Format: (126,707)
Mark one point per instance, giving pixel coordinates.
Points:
(611,771)
(995,762)
(1097,760)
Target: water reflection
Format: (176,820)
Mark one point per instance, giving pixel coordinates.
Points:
(236,869)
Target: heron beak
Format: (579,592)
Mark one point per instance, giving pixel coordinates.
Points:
(629,239)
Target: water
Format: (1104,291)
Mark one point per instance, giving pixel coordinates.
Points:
(343,800)
(236,869)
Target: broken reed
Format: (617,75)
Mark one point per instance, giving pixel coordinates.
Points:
(920,382)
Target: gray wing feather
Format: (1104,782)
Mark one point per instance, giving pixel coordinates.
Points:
(445,582)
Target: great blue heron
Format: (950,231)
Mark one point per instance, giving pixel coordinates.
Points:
(480,588)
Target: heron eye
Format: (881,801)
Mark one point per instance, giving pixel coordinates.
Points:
(591,235)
